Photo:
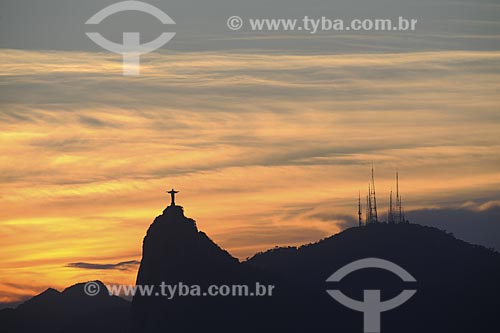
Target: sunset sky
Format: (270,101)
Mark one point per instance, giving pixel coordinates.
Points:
(268,145)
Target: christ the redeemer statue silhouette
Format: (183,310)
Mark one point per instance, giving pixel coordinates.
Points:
(172,195)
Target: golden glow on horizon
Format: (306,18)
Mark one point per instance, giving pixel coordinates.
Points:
(266,149)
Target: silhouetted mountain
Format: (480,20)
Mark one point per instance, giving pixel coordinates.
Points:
(68,311)
(175,251)
(457,282)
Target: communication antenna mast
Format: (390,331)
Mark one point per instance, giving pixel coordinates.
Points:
(359,209)
(367,219)
(402,210)
(374,214)
(370,204)
(398,200)
(390,215)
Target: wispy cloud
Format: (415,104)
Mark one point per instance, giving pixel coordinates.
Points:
(124,265)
